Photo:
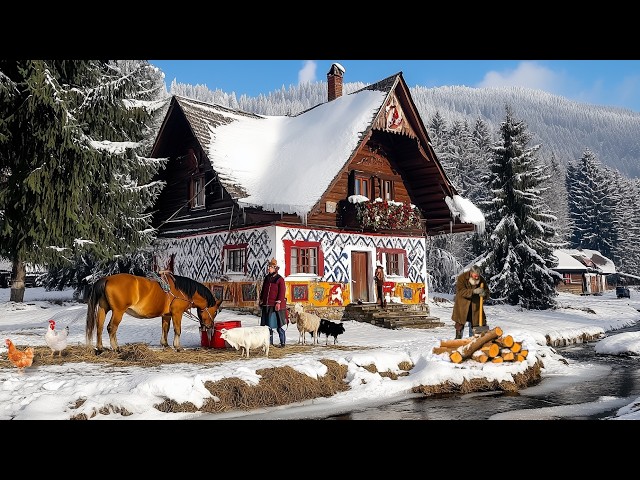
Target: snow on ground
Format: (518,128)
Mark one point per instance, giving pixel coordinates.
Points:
(49,391)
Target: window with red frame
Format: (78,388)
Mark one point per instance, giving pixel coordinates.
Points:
(303,257)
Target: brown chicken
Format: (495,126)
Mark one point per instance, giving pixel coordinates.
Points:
(20,358)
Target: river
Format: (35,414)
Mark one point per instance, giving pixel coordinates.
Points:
(612,382)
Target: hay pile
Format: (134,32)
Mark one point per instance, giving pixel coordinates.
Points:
(278,386)
(141,355)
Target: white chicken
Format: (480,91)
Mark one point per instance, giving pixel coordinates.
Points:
(57,340)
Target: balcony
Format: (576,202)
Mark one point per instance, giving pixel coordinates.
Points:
(380,216)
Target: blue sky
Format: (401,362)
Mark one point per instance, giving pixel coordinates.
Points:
(600,82)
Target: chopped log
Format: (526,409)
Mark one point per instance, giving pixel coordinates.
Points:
(524,353)
(439,350)
(516,347)
(506,341)
(479,356)
(491,350)
(456,357)
(497,359)
(519,357)
(467,350)
(458,342)
(508,355)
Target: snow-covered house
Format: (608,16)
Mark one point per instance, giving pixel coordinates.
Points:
(328,192)
(583,271)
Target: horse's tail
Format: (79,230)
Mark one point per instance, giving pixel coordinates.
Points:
(95,294)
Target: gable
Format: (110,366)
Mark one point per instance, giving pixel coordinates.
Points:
(288,164)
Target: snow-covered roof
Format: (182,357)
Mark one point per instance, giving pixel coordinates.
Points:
(285,164)
(584,260)
(567,262)
(282,150)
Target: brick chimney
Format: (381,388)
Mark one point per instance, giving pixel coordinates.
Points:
(334,79)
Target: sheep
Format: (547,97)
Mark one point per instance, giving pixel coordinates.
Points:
(306,322)
(246,338)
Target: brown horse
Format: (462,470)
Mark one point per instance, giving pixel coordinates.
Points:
(142,297)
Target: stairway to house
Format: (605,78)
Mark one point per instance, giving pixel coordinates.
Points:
(394,315)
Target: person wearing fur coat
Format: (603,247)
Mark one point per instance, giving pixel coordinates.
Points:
(470,286)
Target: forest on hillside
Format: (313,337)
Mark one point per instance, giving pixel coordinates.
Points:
(564,128)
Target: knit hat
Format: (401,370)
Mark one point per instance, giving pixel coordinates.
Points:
(273,263)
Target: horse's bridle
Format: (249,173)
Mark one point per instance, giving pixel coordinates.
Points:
(192,305)
(212,317)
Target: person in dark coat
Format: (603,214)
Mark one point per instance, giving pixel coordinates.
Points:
(470,286)
(273,303)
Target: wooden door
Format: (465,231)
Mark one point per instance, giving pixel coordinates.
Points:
(360,277)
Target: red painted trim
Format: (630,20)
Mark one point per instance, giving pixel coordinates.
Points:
(288,244)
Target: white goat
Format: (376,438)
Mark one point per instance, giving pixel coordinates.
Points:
(306,322)
(246,338)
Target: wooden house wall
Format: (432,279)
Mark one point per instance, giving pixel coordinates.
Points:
(371,162)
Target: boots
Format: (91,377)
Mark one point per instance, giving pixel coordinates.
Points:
(459,329)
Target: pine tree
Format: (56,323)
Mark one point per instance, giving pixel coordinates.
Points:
(74,183)
(590,205)
(519,259)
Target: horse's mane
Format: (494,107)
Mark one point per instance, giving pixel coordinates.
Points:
(190,286)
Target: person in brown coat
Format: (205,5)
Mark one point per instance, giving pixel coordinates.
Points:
(379,278)
(470,286)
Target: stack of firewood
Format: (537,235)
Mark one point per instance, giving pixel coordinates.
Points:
(491,346)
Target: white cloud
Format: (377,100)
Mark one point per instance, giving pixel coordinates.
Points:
(527,74)
(308,72)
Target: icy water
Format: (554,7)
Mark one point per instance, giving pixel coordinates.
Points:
(614,381)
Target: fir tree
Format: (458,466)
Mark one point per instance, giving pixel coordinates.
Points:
(519,259)
(590,205)
(73,180)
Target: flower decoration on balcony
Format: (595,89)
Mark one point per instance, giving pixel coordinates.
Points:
(385,214)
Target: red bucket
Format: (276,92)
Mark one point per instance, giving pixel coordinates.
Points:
(216,341)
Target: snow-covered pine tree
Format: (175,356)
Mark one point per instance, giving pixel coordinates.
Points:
(626,229)
(590,205)
(556,197)
(519,259)
(73,180)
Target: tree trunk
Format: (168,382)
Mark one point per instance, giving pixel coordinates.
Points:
(17,285)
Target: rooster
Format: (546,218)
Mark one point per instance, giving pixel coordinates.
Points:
(20,358)
(57,340)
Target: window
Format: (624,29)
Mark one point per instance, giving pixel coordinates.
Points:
(569,278)
(361,186)
(303,258)
(394,261)
(235,258)
(387,190)
(196,192)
